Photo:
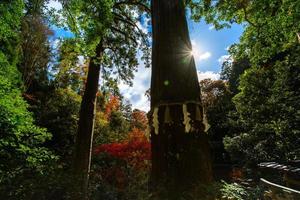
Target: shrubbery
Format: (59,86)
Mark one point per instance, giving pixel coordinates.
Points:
(120,169)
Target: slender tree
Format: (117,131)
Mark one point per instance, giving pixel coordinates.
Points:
(84,139)
(111,36)
(180,148)
(35,47)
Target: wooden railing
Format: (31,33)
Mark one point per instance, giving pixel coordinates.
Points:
(279,192)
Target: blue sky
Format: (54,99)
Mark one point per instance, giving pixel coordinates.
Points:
(209,49)
(206,39)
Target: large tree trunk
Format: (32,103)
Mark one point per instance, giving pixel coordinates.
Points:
(180,151)
(84,138)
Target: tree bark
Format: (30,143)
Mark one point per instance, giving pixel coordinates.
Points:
(179,159)
(84,138)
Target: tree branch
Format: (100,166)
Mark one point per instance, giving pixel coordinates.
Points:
(247,19)
(124,34)
(133,24)
(134,3)
(127,20)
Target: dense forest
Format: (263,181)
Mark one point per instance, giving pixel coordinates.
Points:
(67,132)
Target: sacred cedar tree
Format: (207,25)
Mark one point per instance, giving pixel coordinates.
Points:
(180,148)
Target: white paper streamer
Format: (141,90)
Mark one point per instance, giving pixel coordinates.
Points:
(205,123)
(186,118)
(155,122)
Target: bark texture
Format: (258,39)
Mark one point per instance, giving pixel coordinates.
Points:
(180,160)
(174,73)
(84,138)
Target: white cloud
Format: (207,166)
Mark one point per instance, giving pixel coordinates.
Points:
(54,4)
(227,48)
(224,58)
(55,43)
(208,74)
(136,93)
(212,27)
(196,52)
(204,56)
(142,27)
(201,56)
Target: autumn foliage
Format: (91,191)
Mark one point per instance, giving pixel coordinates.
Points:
(112,105)
(139,119)
(135,150)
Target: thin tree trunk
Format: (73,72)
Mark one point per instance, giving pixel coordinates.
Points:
(179,159)
(84,138)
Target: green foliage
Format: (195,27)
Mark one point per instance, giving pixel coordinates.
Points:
(90,20)
(17,123)
(69,72)
(263,124)
(58,112)
(266,33)
(21,141)
(233,191)
(112,26)
(11,13)
(236,191)
(110,125)
(232,69)
(268,112)
(216,98)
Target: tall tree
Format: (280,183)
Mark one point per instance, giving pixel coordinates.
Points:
(180,148)
(36,50)
(108,29)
